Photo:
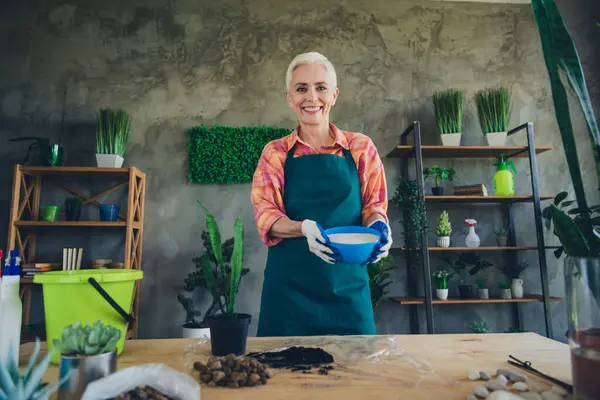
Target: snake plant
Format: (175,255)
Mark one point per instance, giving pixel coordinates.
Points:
(88,340)
(26,386)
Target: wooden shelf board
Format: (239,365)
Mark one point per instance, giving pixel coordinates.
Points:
(481,248)
(525,299)
(69,223)
(466,151)
(483,199)
(39,171)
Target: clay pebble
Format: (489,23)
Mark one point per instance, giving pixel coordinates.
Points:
(495,384)
(559,390)
(550,395)
(520,386)
(530,396)
(484,376)
(481,392)
(513,376)
(233,372)
(473,375)
(502,379)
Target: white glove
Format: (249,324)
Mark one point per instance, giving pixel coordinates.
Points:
(314,234)
(385,244)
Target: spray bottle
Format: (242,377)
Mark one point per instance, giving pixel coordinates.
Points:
(504,180)
(472,237)
(11,307)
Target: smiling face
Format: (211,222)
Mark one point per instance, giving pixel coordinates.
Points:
(311,94)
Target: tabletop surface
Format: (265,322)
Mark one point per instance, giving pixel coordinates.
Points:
(378,367)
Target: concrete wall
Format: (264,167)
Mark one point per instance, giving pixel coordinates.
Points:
(178,64)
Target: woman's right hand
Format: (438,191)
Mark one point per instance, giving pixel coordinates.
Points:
(318,242)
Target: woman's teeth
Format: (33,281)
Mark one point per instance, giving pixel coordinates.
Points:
(312,109)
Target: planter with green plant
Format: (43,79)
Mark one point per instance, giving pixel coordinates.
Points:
(493,111)
(228,329)
(441,282)
(448,108)
(513,272)
(194,327)
(482,289)
(439,174)
(87,353)
(73,207)
(501,234)
(479,327)
(112,135)
(504,287)
(443,230)
(460,266)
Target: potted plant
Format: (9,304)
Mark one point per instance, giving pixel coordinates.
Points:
(460,268)
(193,326)
(87,353)
(379,279)
(501,236)
(439,174)
(493,112)
(448,109)
(482,290)
(513,272)
(504,290)
(443,230)
(441,280)
(73,208)
(27,385)
(112,135)
(479,327)
(228,329)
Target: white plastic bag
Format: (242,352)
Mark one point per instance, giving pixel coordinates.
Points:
(168,381)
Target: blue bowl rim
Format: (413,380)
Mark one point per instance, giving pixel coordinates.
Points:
(353,229)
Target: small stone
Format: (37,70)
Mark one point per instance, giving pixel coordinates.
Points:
(473,375)
(217,376)
(502,378)
(559,390)
(231,357)
(530,396)
(495,384)
(550,395)
(484,375)
(513,376)
(215,365)
(520,386)
(238,376)
(502,395)
(471,397)
(481,392)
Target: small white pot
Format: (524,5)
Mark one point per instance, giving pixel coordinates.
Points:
(443,241)
(495,138)
(502,241)
(483,293)
(517,288)
(451,139)
(442,294)
(109,160)
(196,333)
(505,294)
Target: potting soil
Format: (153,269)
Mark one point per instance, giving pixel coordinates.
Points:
(295,358)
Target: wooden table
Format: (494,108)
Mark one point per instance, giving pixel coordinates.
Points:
(415,366)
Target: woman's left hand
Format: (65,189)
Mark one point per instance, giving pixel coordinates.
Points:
(385,243)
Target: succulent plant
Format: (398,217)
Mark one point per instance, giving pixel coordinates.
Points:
(88,340)
(26,386)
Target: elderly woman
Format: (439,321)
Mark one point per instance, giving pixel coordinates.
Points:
(316,178)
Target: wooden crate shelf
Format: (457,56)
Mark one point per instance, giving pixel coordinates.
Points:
(481,248)
(24,224)
(466,151)
(525,299)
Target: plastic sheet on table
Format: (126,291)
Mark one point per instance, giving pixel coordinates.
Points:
(344,349)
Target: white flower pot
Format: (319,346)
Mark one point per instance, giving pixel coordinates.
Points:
(517,288)
(443,241)
(505,294)
(451,139)
(442,294)
(196,333)
(495,138)
(483,293)
(109,160)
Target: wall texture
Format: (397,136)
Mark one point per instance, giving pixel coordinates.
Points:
(175,64)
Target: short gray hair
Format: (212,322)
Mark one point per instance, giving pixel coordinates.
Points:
(309,58)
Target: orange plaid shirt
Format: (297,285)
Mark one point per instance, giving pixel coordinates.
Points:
(267,183)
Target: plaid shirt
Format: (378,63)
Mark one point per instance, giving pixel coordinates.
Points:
(267,183)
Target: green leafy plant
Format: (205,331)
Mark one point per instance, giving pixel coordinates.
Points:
(481,283)
(439,174)
(493,109)
(500,231)
(479,327)
(513,270)
(463,261)
(226,154)
(112,131)
(448,106)
(88,340)
(444,228)
(503,285)
(442,277)
(197,279)
(379,279)
(28,385)
(224,288)
(412,206)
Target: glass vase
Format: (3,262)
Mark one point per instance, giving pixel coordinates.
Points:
(582,288)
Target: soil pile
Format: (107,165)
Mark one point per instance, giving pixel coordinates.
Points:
(295,358)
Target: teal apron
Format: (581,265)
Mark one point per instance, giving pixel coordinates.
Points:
(303,295)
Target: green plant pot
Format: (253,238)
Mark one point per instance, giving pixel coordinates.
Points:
(52,155)
(49,213)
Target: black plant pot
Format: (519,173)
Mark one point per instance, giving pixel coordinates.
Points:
(465,291)
(437,191)
(228,335)
(73,209)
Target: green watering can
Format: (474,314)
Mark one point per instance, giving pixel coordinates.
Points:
(46,154)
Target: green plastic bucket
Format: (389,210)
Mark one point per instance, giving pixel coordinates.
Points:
(86,296)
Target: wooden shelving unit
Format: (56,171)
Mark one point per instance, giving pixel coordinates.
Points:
(24,218)
(419,152)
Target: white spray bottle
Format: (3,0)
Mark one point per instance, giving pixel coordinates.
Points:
(472,238)
(11,307)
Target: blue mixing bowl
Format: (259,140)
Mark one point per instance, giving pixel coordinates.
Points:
(342,239)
